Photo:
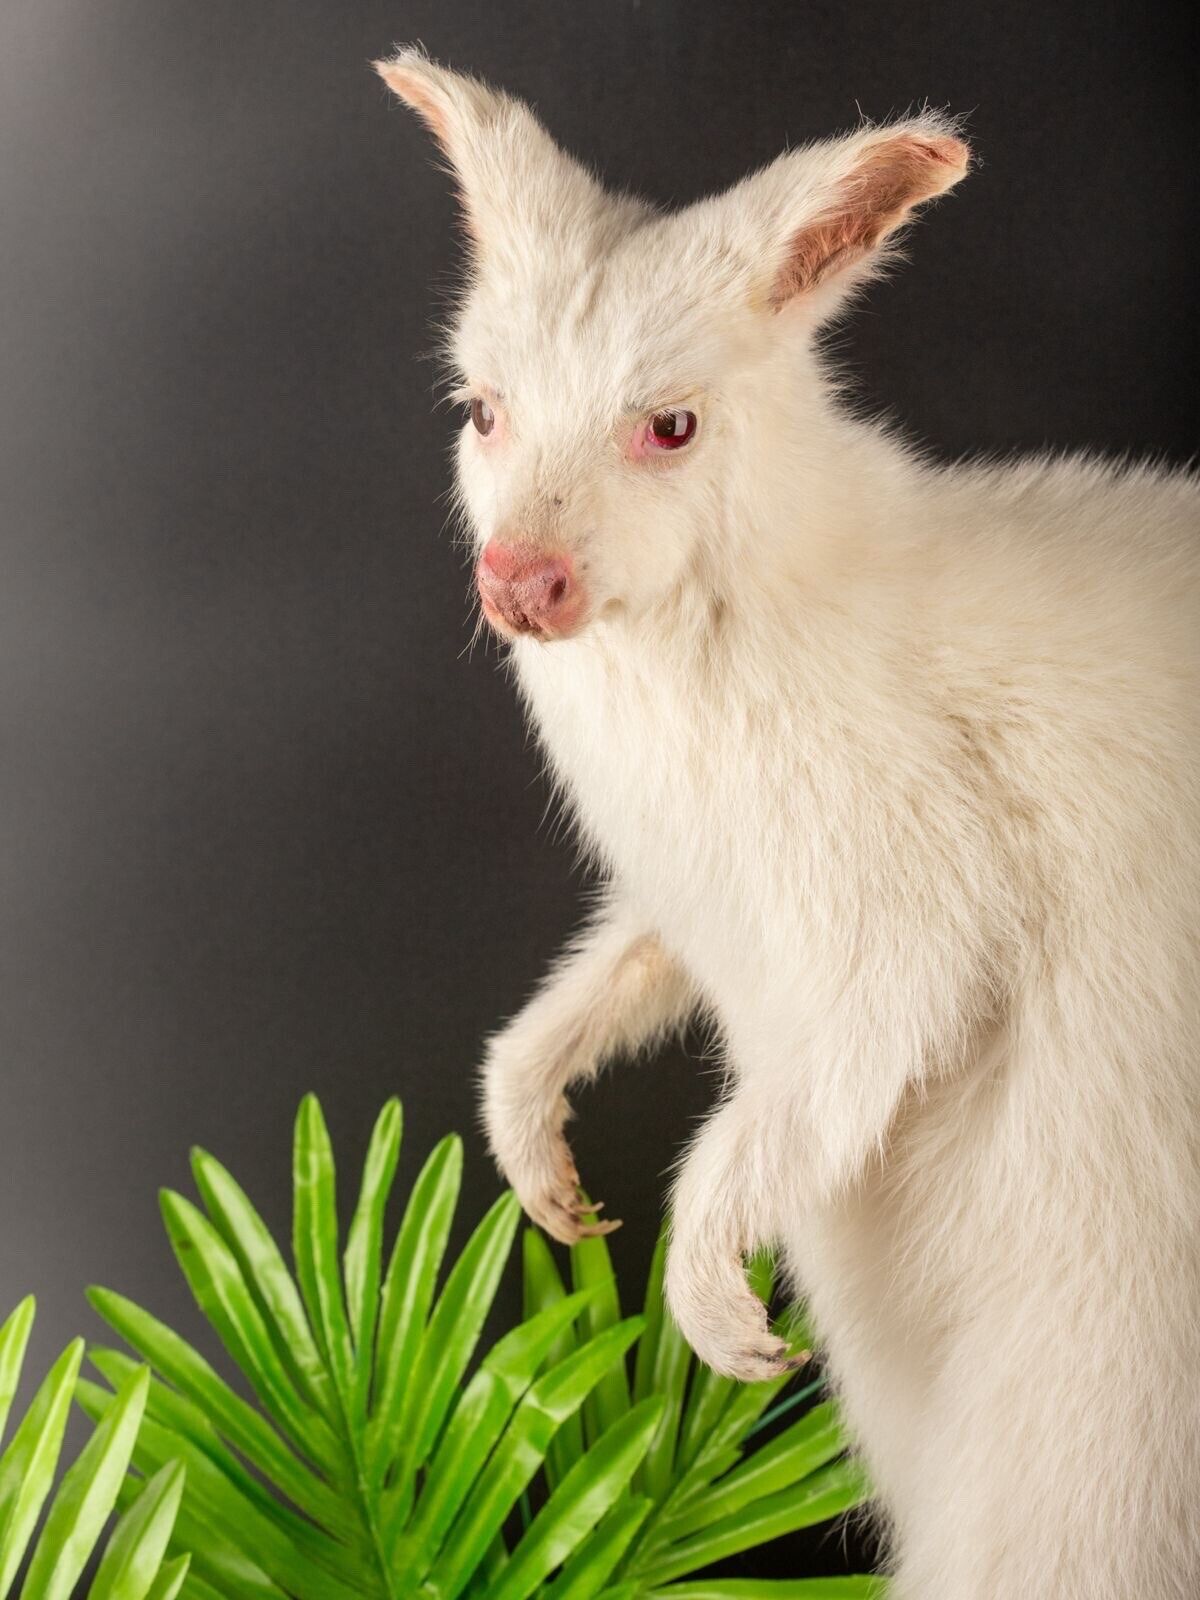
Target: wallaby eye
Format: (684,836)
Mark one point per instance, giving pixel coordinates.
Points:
(670,430)
(482,416)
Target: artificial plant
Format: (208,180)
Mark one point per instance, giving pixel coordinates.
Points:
(133,1565)
(585,1457)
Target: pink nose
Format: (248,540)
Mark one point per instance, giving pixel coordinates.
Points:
(525,589)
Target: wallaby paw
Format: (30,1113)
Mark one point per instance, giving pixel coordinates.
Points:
(547,1185)
(723,1320)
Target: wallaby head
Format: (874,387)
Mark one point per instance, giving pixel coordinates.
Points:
(635,379)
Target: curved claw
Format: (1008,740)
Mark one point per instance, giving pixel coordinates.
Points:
(597,1230)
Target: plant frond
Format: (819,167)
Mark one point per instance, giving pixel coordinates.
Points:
(132,1565)
(585,1456)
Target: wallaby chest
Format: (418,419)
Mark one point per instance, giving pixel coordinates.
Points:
(677,799)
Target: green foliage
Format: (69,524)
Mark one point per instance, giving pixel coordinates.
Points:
(585,1457)
(133,1566)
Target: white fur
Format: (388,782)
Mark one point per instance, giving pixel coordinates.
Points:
(891,770)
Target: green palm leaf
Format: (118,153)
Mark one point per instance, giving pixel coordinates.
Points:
(315,1244)
(835,1489)
(583,1497)
(664,1372)
(363,1259)
(478,1422)
(796,1454)
(14,1336)
(221,1292)
(587,1571)
(448,1343)
(170,1580)
(132,1564)
(27,1466)
(591,1266)
(380,1459)
(408,1291)
(87,1494)
(133,1561)
(520,1453)
(543,1286)
(266,1276)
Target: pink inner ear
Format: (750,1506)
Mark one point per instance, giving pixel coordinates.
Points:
(892,177)
(431,105)
(415,90)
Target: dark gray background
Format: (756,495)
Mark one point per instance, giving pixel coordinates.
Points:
(263,826)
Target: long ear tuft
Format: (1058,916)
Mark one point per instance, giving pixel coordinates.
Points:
(514,180)
(453,106)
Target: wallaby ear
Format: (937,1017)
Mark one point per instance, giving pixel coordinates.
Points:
(512,177)
(458,110)
(835,207)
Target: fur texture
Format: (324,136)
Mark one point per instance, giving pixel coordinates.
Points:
(891,770)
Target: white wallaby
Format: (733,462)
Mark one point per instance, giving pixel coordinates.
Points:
(890,770)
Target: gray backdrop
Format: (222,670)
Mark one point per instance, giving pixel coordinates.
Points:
(263,826)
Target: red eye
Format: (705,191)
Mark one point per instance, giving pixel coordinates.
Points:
(482,416)
(670,430)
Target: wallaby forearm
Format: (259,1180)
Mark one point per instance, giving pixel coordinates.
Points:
(614,991)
